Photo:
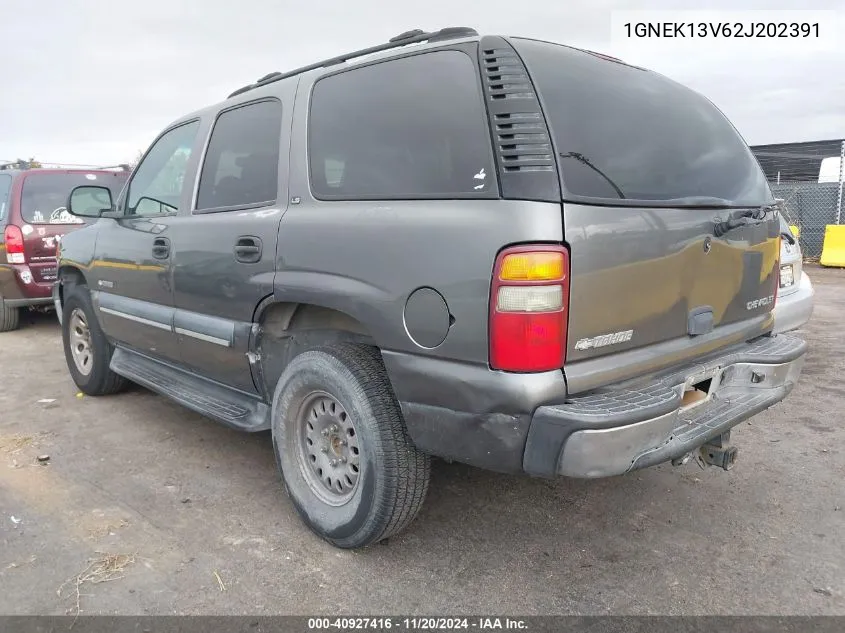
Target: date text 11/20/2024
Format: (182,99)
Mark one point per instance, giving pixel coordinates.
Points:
(416,624)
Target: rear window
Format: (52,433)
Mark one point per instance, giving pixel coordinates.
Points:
(44,196)
(5,186)
(624,133)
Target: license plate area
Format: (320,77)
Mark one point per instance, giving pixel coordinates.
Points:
(787,276)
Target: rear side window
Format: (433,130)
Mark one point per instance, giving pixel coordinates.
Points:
(242,161)
(5,186)
(45,195)
(413,127)
(627,133)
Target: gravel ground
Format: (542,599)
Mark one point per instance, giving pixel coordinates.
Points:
(147,508)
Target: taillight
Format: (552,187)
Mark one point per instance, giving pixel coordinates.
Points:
(13,238)
(528,308)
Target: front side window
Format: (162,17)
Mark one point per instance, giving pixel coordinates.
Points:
(156,186)
(241,165)
(413,127)
(5,186)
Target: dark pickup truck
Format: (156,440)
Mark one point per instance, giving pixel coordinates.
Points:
(510,253)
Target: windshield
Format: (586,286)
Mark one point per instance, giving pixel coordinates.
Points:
(45,195)
(628,134)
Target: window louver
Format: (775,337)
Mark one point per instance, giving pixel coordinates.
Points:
(522,142)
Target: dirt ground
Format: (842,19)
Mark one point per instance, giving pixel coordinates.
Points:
(147,508)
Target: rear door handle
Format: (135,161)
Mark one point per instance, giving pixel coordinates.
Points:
(161,248)
(248,249)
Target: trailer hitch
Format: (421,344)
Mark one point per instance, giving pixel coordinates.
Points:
(718,452)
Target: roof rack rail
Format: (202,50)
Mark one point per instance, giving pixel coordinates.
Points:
(415,36)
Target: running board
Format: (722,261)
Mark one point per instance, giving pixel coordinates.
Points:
(211,399)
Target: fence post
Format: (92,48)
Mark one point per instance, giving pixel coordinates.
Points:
(841,175)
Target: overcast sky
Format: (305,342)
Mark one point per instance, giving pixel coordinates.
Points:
(94,81)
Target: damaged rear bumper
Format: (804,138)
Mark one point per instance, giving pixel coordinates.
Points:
(509,422)
(630,426)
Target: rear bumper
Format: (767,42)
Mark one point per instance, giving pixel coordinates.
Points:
(26,303)
(510,422)
(793,310)
(19,289)
(627,427)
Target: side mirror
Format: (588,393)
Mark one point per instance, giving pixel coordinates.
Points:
(90,202)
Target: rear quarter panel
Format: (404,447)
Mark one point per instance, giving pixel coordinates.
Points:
(365,258)
(370,256)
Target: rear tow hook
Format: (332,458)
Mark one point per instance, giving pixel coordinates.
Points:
(718,452)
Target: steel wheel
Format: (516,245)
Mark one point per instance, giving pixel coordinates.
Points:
(81,349)
(327,448)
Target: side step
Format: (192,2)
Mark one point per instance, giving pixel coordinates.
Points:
(218,402)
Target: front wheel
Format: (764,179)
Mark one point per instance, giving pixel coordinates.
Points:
(87,350)
(342,447)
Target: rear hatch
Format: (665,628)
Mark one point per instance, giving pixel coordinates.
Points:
(648,169)
(44,217)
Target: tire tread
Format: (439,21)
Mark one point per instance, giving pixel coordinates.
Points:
(403,471)
(9,317)
(408,470)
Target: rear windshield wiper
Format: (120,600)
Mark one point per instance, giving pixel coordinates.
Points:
(586,161)
(748,217)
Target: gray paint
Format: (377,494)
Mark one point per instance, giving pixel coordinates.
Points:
(637,269)
(138,285)
(646,269)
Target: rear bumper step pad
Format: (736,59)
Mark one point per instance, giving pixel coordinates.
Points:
(630,426)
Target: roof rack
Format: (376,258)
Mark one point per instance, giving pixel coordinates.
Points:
(403,39)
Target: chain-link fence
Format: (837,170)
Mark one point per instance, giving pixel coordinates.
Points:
(809,179)
(810,206)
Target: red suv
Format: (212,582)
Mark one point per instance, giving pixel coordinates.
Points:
(33,219)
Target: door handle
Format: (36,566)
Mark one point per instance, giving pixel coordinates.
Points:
(248,249)
(161,248)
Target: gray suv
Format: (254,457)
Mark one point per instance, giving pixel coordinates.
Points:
(499,251)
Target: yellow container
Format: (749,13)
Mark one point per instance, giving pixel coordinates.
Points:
(833,249)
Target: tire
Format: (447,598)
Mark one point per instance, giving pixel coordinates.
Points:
(99,380)
(380,487)
(9,317)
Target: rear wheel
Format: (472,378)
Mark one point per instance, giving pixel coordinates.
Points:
(342,447)
(87,350)
(9,317)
